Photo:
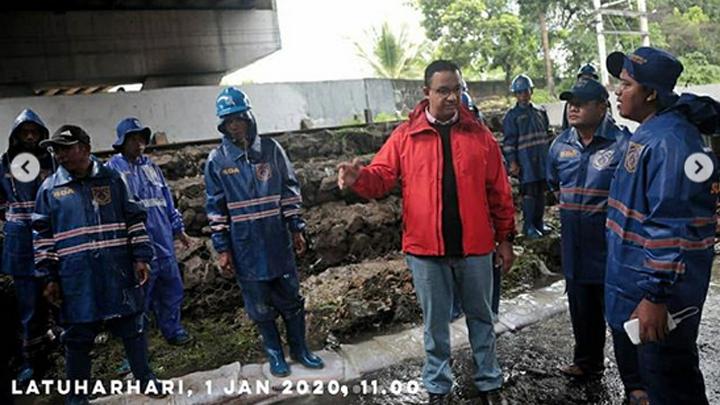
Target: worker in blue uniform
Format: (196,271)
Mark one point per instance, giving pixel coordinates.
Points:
(661,223)
(586,71)
(17,201)
(526,131)
(92,249)
(164,289)
(253,205)
(581,165)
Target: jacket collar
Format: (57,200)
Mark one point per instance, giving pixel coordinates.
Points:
(418,120)
(234,152)
(434,121)
(526,106)
(605,131)
(141,160)
(62,176)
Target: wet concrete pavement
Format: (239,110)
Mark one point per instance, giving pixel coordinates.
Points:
(530,358)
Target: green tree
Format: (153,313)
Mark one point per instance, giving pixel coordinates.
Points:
(664,7)
(480,35)
(392,55)
(698,70)
(692,31)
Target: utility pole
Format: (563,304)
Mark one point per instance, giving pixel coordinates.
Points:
(602,51)
(605,9)
(644,31)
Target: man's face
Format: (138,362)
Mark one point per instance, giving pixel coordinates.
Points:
(237,128)
(443,93)
(631,98)
(74,158)
(134,145)
(586,114)
(523,97)
(29,134)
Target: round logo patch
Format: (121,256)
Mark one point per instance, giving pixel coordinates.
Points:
(602,159)
(263,171)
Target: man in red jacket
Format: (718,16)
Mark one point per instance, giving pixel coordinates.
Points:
(457,210)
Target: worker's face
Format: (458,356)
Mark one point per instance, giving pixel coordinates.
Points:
(237,128)
(632,99)
(523,97)
(74,158)
(29,134)
(586,114)
(443,93)
(134,145)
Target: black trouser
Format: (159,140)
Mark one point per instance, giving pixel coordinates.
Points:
(588,322)
(670,368)
(626,356)
(79,339)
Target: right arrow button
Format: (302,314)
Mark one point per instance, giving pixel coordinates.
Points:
(698,167)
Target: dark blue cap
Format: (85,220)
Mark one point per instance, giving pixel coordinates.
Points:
(67,135)
(651,67)
(129,126)
(586,90)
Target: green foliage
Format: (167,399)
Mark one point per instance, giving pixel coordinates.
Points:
(485,36)
(392,55)
(479,35)
(382,116)
(542,96)
(692,31)
(389,117)
(698,70)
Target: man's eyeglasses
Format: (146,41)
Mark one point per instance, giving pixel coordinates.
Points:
(446,91)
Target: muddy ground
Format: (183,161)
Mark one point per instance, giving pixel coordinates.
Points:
(530,359)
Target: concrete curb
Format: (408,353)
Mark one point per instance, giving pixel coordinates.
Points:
(253,383)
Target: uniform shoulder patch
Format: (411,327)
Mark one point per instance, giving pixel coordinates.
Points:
(632,156)
(62,192)
(263,171)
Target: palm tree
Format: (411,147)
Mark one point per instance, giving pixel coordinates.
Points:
(391,56)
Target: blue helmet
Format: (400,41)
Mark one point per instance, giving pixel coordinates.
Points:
(466,99)
(230,101)
(588,70)
(521,83)
(233,101)
(129,126)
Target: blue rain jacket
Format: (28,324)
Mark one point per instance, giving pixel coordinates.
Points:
(149,188)
(661,224)
(582,175)
(17,201)
(526,139)
(253,203)
(87,234)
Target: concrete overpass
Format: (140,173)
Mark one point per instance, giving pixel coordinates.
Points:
(161,43)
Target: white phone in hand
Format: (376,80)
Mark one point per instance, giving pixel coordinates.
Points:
(632,328)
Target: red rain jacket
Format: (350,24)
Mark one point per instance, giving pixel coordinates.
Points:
(414,154)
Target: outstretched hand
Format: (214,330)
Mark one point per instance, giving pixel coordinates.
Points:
(348,173)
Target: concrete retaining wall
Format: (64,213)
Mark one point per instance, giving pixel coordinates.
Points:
(188,113)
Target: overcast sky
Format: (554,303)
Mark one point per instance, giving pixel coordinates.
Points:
(317,39)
